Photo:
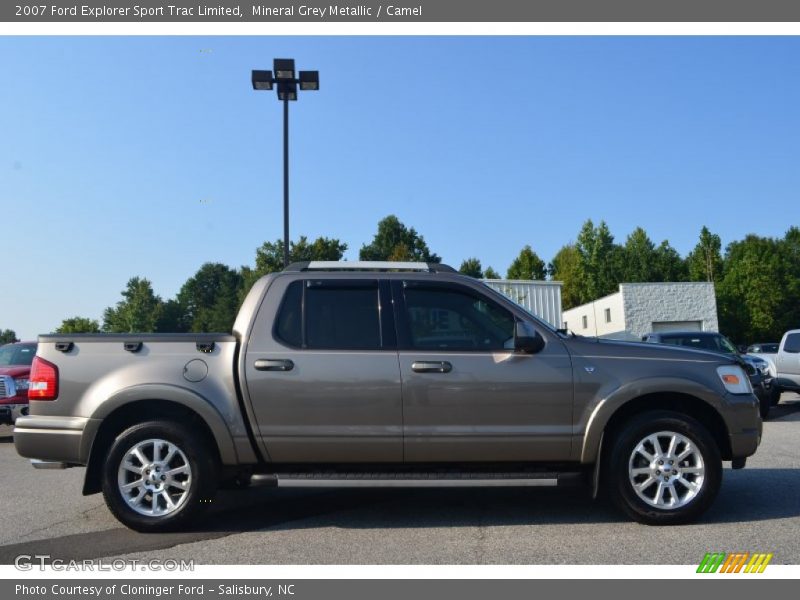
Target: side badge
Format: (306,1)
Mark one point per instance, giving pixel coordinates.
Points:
(589,369)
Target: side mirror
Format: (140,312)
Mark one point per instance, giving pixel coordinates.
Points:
(526,338)
(742,349)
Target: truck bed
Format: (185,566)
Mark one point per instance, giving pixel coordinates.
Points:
(101,372)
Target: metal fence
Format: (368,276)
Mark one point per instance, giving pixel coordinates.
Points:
(542,298)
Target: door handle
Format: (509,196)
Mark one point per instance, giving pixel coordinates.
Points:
(431,367)
(263,364)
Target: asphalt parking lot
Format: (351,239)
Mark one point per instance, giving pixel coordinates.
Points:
(758,510)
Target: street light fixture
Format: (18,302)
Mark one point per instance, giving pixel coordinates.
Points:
(262,80)
(287,86)
(287,91)
(309,80)
(284,69)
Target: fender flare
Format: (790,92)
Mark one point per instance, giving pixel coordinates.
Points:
(608,406)
(175,394)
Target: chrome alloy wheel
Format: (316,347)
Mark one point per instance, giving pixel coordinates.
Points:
(154,477)
(666,470)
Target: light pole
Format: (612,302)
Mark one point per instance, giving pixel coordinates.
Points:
(287,84)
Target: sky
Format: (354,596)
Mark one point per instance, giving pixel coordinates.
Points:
(149,156)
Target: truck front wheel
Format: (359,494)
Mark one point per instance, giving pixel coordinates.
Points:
(159,475)
(665,468)
(774,395)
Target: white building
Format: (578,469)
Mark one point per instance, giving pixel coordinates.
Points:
(641,308)
(542,298)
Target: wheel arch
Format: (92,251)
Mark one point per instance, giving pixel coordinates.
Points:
(682,403)
(119,413)
(687,404)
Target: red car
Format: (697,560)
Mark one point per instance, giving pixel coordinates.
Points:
(15,368)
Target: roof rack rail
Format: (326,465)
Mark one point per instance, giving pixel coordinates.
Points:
(368,265)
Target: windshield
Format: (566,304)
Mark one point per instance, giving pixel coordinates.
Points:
(727,346)
(714,343)
(764,348)
(17,355)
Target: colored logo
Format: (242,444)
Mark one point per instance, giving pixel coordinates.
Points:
(738,562)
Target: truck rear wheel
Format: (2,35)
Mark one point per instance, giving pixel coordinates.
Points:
(159,475)
(665,468)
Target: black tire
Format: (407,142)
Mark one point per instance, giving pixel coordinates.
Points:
(774,395)
(620,486)
(201,485)
(764,404)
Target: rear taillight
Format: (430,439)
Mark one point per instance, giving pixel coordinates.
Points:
(43,384)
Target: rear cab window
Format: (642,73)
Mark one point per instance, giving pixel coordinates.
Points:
(332,314)
(17,355)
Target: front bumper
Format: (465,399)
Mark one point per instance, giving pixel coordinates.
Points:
(52,439)
(764,387)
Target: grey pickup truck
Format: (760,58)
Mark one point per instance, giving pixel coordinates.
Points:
(384,374)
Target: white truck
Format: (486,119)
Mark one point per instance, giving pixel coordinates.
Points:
(787,365)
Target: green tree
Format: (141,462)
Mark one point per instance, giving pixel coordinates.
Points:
(320,249)
(638,253)
(137,312)
(669,266)
(471,267)
(527,265)
(395,241)
(269,257)
(172,318)
(600,261)
(209,299)
(790,251)
(222,314)
(78,325)
(8,336)
(704,262)
(401,252)
(566,268)
(643,261)
(752,292)
(490,273)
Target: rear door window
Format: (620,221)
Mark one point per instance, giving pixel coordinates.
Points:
(342,317)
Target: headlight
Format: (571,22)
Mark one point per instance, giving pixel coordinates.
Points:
(734,379)
(21,384)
